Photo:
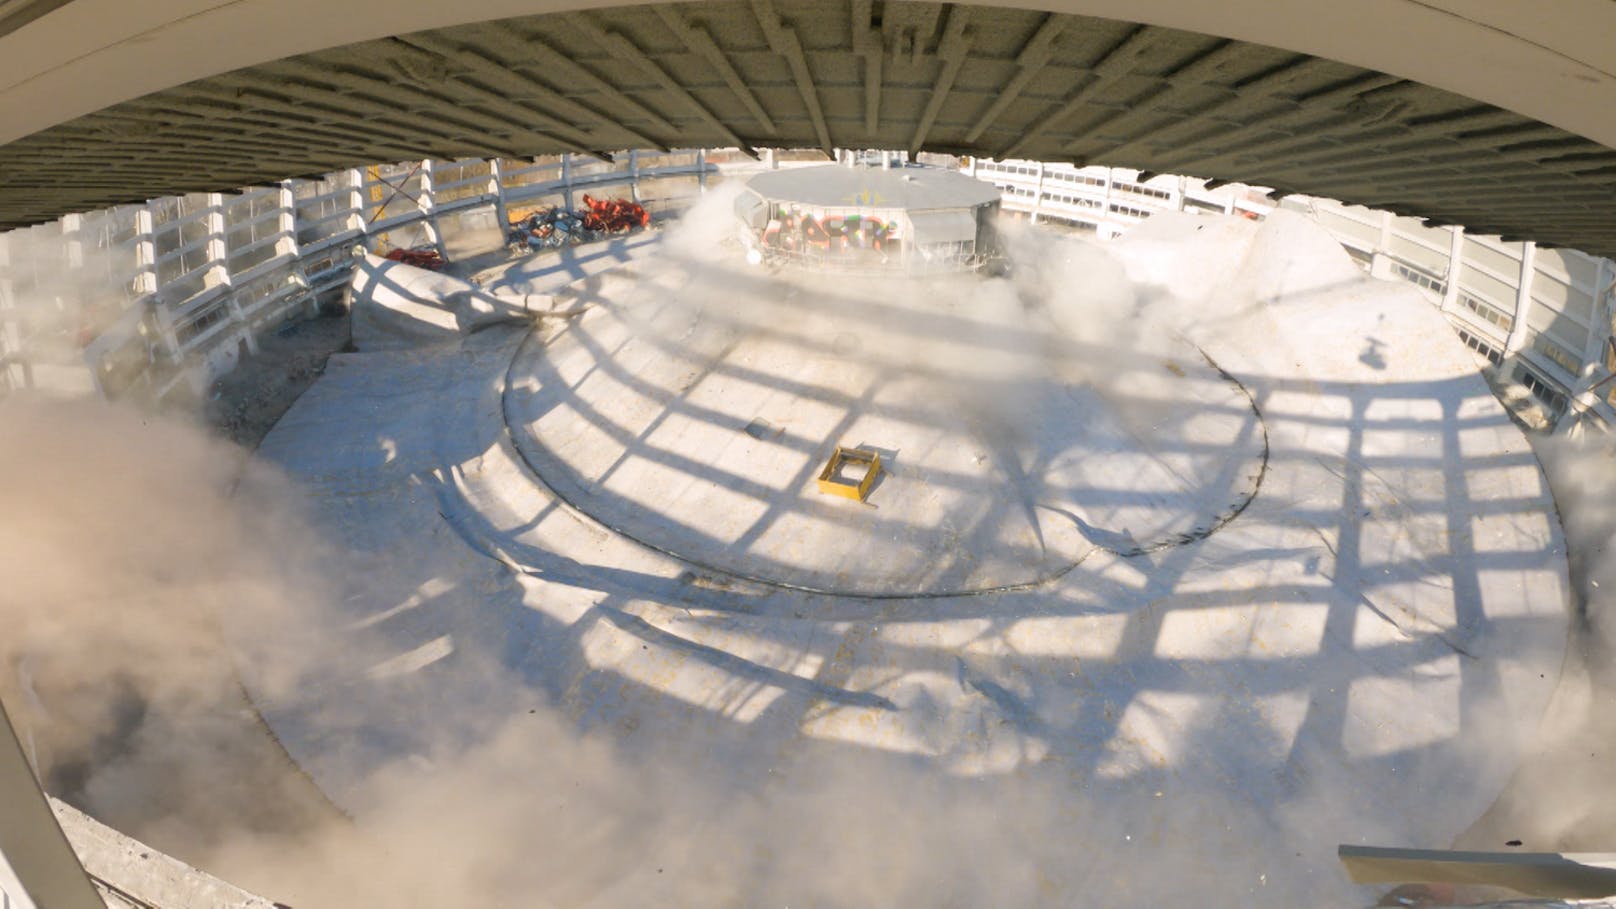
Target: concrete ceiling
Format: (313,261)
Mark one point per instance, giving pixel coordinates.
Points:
(985,80)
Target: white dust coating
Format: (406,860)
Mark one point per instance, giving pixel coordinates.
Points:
(1560,799)
(518,706)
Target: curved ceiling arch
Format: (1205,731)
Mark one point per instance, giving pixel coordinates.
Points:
(61,59)
(975,79)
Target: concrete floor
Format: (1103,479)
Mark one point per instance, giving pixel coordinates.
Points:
(1226,617)
(692,408)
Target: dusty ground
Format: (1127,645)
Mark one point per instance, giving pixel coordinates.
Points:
(246,402)
(238,779)
(457,555)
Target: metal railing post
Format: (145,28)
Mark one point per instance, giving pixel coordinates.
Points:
(1523,299)
(496,188)
(1450,284)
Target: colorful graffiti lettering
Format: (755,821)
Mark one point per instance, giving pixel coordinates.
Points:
(791,230)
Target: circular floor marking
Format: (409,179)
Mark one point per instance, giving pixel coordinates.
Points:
(696,423)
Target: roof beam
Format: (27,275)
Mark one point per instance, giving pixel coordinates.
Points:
(1029,62)
(868,45)
(520,89)
(783,40)
(1265,85)
(1195,70)
(701,43)
(527,46)
(953,50)
(621,47)
(1112,65)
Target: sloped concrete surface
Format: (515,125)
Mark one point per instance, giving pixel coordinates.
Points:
(129,873)
(1357,656)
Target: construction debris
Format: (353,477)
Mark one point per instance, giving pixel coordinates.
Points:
(553,228)
(854,483)
(420,257)
(614,216)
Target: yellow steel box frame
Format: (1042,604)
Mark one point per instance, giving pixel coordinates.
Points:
(829,483)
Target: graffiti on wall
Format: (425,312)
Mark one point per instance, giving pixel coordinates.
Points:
(828,234)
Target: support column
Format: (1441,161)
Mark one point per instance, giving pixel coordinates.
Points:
(1038,193)
(1380,265)
(1593,352)
(73,290)
(427,204)
(566,181)
(286,224)
(73,241)
(701,169)
(72,283)
(145,282)
(1450,283)
(78,292)
(496,188)
(14,372)
(145,251)
(356,201)
(287,246)
(1523,299)
(1595,379)
(218,268)
(634,176)
(162,318)
(1107,230)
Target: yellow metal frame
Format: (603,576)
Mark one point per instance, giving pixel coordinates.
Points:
(827,477)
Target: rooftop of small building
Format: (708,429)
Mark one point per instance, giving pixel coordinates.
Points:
(840,186)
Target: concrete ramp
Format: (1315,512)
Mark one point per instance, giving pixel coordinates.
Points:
(397,306)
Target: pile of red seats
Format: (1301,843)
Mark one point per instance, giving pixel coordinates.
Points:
(421,257)
(613,216)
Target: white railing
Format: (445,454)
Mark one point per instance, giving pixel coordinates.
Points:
(147,299)
(1542,317)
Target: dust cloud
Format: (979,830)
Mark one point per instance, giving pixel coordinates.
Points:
(127,536)
(1068,347)
(121,545)
(68,289)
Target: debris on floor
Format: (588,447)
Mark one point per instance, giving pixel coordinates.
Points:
(554,228)
(420,257)
(833,481)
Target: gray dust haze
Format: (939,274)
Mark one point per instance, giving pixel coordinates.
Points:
(1561,798)
(127,536)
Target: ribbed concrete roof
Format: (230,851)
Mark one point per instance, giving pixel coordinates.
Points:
(854,73)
